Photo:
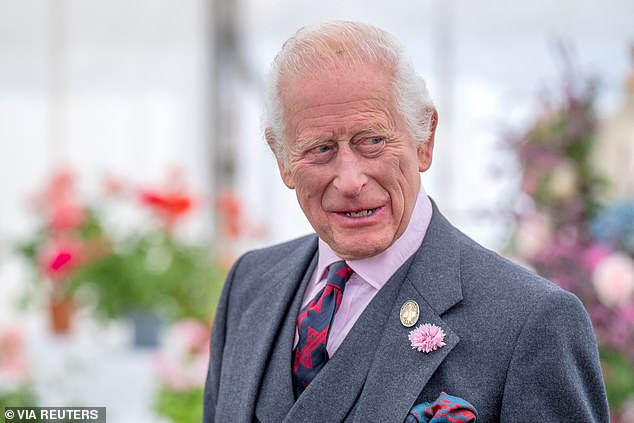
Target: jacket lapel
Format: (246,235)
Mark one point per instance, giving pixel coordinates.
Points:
(399,373)
(258,330)
(335,389)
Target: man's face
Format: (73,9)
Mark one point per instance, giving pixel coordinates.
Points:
(351,159)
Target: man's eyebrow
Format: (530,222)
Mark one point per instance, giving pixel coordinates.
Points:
(373,129)
(313,139)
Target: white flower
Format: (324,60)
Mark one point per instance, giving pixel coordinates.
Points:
(613,279)
(534,234)
(563,180)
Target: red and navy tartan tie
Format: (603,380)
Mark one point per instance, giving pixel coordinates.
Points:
(313,325)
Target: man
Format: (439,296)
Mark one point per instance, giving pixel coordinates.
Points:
(388,313)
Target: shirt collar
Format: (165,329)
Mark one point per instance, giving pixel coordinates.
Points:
(377,270)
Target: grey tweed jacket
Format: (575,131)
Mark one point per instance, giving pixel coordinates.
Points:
(519,348)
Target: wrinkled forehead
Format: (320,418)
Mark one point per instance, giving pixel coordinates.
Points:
(343,97)
(336,84)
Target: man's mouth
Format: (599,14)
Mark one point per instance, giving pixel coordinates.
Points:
(361,213)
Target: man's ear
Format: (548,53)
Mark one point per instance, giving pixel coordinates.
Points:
(425,150)
(279,157)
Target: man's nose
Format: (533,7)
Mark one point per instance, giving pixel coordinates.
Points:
(350,177)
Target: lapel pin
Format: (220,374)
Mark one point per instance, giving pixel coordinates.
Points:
(409,313)
(427,338)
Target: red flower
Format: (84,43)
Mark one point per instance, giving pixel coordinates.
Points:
(169,205)
(230,210)
(173,204)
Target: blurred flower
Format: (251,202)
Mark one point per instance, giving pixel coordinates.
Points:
(113,186)
(613,279)
(233,221)
(534,234)
(171,201)
(59,202)
(557,155)
(627,410)
(563,180)
(66,216)
(614,225)
(168,205)
(595,255)
(230,212)
(171,205)
(59,257)
(14,366)
(193,334)
(60,189)
(182,362)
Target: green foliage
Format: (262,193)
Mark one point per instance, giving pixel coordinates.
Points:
(181,406)
(21,397)
(152,272)
(139,270)
(619,376)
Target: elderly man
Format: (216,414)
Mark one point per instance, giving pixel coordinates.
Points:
(388,313)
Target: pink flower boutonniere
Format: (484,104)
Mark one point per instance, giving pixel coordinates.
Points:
(427,338)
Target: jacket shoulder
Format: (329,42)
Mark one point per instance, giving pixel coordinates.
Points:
(498,276)
(264,258)
(246,277)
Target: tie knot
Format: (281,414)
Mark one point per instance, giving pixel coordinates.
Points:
(338,274)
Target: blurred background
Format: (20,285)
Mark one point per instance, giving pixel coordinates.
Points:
(134,173)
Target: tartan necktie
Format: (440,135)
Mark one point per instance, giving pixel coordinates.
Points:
(313,325)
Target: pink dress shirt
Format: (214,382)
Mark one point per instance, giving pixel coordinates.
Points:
(369,275)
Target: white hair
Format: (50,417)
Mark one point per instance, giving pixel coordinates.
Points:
(325,46)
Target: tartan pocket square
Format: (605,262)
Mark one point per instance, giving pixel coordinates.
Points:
(445,409)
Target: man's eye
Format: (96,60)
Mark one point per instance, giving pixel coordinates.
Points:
(321,149)
(371,146)
(321,153)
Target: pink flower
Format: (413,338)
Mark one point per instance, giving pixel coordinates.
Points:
(613,279)
(59,257)
(534,235)
(427,338)
(66,216)
(14,366)
(595,255)
(182,361)
(192,334)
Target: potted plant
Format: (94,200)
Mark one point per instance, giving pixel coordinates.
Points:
(147,272)
(68,235)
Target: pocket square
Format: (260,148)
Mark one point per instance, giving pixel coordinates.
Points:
(446,409)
